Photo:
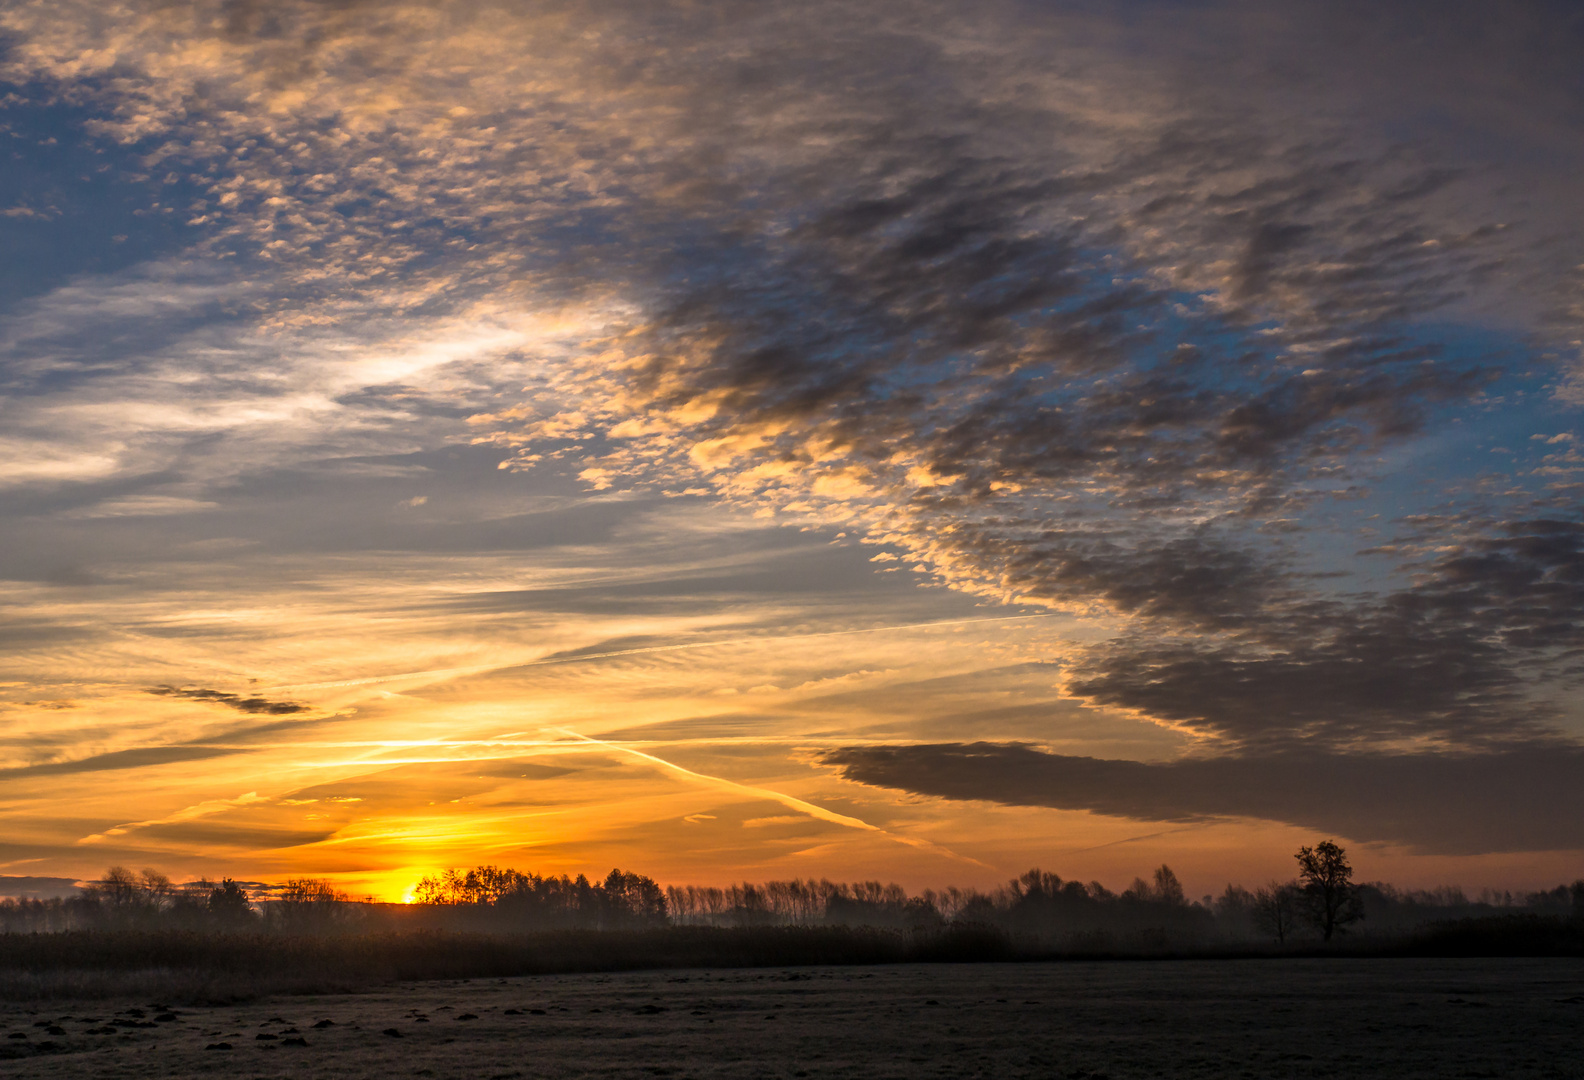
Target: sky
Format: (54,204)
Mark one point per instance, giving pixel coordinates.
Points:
(910,440)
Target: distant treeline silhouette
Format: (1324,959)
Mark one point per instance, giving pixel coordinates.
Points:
(1043,910)
(139,934)
(1038,911)
(623,901)
(149,900)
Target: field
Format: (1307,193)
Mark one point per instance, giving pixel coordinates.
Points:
(1077,1019)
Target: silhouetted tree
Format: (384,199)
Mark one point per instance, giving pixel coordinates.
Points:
(157,890)
(498,896)
(632,899)
(305,891)
(1274,909)
(1163,889)
(118,889)
(1330,902)
(309,904)
(228,904)
(189,905)
(1168,890)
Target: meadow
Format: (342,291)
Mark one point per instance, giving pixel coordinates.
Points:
(500,975)
(196,968)
(1083,1020)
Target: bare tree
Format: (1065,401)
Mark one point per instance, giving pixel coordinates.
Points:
(1274,909)
(310,891)
(119,888)
(309,904)
(156,888)
(1330,901)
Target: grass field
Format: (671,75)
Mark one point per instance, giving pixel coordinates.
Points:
(1342,1017)
(187,967)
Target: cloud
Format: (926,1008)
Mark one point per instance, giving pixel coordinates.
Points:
(145,506)
(253,704)
(191,813)
(36,888)
(1455,658)
(1521,800)
(165,376)
(137,758)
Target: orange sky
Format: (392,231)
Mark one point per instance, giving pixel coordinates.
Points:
(429,741)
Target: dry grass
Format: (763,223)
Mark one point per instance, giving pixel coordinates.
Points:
(193,967)
(1302,1019)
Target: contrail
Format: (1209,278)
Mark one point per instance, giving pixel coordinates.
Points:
(440,673)
(1131,840)
(792,802)
(772,637)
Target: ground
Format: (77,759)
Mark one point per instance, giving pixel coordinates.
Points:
(1252,1018)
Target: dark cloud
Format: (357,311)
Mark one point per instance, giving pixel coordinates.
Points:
(252,704)
(36,888)
(1457,657)
(954,322)
(1522,800)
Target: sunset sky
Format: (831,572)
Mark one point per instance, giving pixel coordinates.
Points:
(903,439)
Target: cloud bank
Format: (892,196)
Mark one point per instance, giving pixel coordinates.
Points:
(1441,803)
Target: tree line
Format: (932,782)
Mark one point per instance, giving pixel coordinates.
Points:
(1320,903)
(124,899)
(622,901)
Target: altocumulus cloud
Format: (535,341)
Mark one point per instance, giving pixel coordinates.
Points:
(1057,310)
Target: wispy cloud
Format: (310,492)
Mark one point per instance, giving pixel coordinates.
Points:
(188,813)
